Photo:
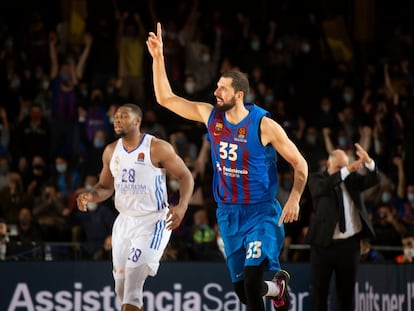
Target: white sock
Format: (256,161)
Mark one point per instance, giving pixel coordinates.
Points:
(272,289)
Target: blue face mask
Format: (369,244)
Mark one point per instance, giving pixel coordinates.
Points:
(410,197)
(249,98)
(98,142)
(385,197)
(342,141)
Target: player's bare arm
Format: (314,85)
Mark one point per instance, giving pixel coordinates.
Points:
(196,111)
(274,134)
(163,155)
(105,186)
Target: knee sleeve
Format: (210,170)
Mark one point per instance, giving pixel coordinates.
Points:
(134,285)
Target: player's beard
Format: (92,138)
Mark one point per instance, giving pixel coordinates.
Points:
(120,134)
(226,106)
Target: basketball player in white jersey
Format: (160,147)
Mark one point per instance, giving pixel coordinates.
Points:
(135,167)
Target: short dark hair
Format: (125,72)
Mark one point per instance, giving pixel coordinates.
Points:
(135,109)
(240,81)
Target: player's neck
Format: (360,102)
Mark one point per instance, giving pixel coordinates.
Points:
(236,114)
(130,142)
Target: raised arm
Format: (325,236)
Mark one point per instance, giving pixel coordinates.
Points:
(196,111)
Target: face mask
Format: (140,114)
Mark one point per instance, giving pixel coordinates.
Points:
(385,197)
(45,85)
(347,97)
(84,92)
(269,98)
(325,108)
(61,168)
(250,98)
(189,87)
(311,139)
(409,252)
(287,184)
(174,185)
(88,187)
(98,142)
(410,197)
(205,58)
(65,76)
(92,206)
(35,116)
(109,90)
(305,48)
(255,45)
(342,141)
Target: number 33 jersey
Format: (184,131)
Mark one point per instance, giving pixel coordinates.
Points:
(244,169)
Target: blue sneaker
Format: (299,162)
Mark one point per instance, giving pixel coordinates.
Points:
(282,301)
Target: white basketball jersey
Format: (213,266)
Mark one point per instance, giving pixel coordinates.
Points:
(140,187)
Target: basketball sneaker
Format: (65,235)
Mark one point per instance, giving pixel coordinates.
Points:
(281,302)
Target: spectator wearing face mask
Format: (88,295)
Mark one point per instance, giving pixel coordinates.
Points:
(65,179)
(93,229)
(32,135)
(407,207)
(407,242)
(388,228)
(93,157)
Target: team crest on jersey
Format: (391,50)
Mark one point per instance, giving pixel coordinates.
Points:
(219,126)
(141,157)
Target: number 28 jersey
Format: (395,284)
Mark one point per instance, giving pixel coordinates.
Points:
(140,187)
(244,170)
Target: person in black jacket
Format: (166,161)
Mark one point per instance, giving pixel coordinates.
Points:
(339,222)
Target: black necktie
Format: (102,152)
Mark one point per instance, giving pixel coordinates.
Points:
(341,220)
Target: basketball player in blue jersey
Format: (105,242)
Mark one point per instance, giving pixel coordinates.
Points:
(244,140)
(135,167)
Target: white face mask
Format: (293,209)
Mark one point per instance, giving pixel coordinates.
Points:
(409,252)
(92,206)
(174,185)
(190,87)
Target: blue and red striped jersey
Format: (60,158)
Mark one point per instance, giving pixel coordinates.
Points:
(245,171)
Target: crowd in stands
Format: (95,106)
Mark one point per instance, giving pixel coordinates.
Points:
(62,75)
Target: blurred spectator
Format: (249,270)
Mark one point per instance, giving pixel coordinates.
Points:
(204,245)
(131,41)
(407,242)
(50,212)
(26,244)
(32,135)
(368,254)
(13,198)
(94,228)
(4,172)
(93,157)
(151,125)
(37,177)
(65,178)
(388,229)
(64,78)
(4,239)
(4,132)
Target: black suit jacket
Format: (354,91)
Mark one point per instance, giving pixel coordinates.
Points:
(327,203)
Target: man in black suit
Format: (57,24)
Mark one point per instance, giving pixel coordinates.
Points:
(340,220)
